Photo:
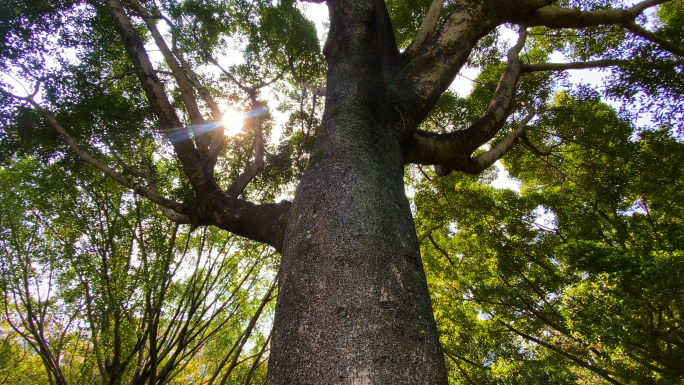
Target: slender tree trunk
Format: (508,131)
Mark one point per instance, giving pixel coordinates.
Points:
(354,306)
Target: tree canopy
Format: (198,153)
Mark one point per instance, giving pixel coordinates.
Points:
(141,237)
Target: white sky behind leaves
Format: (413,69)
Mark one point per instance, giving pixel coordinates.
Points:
(318,13)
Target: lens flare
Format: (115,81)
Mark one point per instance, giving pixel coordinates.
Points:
(232,121)
(183,133)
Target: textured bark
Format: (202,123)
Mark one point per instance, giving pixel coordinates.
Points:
(426,29)
(422,80)
(353,306)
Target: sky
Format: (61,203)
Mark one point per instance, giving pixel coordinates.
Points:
(463,84)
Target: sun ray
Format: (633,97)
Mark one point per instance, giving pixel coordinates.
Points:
(232,122)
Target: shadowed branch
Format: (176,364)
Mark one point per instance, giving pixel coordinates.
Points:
(663,43)
(427,29)
(555,17)
(452,151)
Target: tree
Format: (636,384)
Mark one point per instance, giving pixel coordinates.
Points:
(574,279)
(98,288)
(353,301)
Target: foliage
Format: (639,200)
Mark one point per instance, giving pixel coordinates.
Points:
(575,278)
(99,288)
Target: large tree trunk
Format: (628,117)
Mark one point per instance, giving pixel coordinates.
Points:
(354,306)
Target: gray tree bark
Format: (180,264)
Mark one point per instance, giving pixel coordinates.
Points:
(354,306)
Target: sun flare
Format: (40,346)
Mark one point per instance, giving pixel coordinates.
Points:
(233,122)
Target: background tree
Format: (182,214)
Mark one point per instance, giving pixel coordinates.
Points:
(575,278)
(353,301)
(102,291)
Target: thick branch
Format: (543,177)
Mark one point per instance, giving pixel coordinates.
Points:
(527,6)
(663,43)
(186,90)
(571,66)
(419,83)
(317,91)
(427,28)
(123,75)
(527,143)
(216,139)
(481,162)
(216,113)
(594,64)
(452,151)
(204,93)
(428,233)
(574,18)
(159,102)
(495,116)
(219,144)
(262,223)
